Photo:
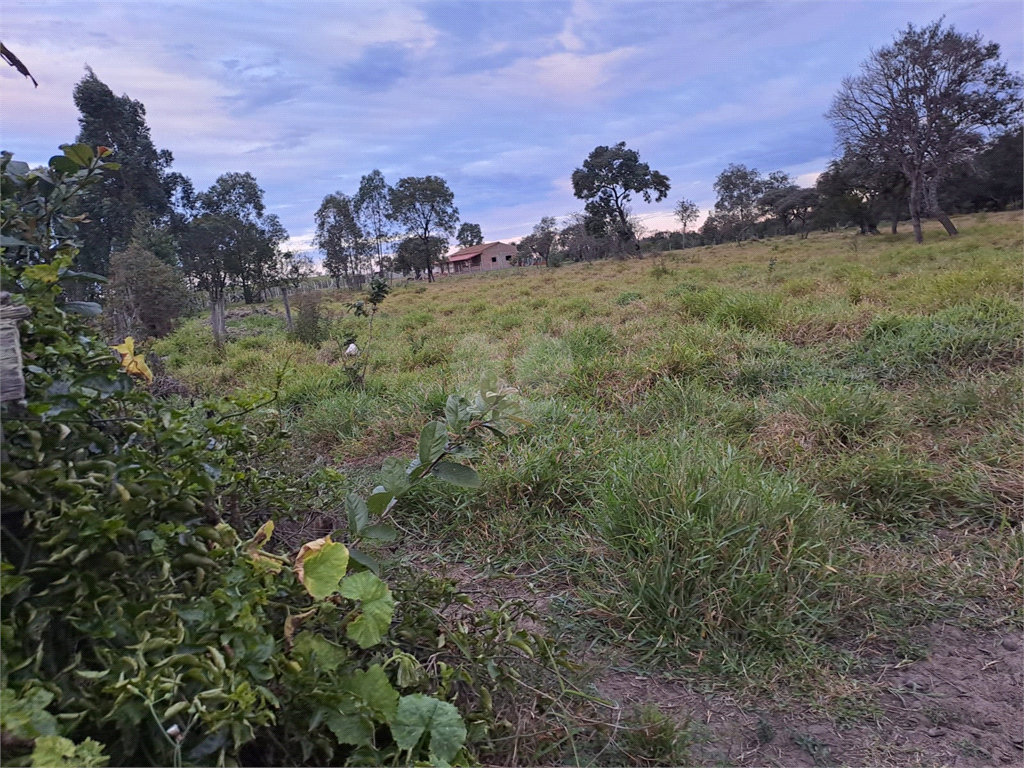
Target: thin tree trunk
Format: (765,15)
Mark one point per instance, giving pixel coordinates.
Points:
(915,210)
(217,319)
(932,198)
(287,308)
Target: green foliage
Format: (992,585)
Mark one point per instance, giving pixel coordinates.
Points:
(311,327)
(58,752)
(135,620)
(146,295)
(420,715)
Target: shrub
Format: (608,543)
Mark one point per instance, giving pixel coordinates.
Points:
(311,327)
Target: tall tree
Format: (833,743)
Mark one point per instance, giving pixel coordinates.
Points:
(206,244)
(414,254)
(607,180)
(372,205)
(544,234)
(469,235)
(119,123)
(925,104)
(425,206)
(687,212)
(256,235)
(339,237)
(740,190)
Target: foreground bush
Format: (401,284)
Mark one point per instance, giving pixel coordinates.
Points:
(136,626)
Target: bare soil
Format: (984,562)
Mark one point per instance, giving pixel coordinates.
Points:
(960,704)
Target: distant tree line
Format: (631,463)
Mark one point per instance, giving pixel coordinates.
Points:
(156,239)
(404,228)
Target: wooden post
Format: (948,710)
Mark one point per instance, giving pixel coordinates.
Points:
(12,378)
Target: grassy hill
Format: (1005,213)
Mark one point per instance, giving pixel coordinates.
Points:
(772,464)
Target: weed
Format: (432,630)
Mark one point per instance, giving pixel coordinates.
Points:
(627,297)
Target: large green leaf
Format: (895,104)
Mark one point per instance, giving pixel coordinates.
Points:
(350,729)
(320,565)
(358,514)
(319,651)
(377,606)
(82,154)
(373,690)
(432,441)
(456,413)
(457,474)
(393,476)
(87,308)
(419,714)
(380,501)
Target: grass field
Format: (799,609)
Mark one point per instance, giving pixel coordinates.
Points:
(762,472)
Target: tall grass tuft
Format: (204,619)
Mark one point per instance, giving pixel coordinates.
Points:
(714,551)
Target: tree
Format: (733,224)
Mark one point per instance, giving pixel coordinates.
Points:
(373,208)
(687,212)
(291,270)
(206,244)
(417,255)
(607,180)
(425,206)
(791,204)
(469,235)
(925,104)
(119,123)
(740,190)
(582,238)
(861,190)
(339,237)
(145,295)
(543,238)
(256,236)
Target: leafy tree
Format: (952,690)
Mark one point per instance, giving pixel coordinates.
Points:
(207,244)
(740,191)
(543,238)
(469,235)
(687,212)
(340,238)
(425,206)
(146,294)
(790,204)
(256,236)
(607,180)
(924,104)
(991,183)
(416,255)
(861,190)
(372,205)
(142,184)
(290,272)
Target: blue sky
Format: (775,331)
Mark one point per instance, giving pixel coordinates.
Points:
(502,99)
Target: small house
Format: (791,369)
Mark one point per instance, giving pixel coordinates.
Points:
(483,257)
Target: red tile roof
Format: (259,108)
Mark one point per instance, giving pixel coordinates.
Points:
(473,250)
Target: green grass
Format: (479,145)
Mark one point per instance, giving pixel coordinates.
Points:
(744,464)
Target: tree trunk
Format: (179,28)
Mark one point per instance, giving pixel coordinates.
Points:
(915,210)
(217,320)
(287,308)
(932,198)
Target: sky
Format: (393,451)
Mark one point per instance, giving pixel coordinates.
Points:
(502,99)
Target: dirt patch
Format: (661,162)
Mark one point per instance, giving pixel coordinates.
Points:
(960,705)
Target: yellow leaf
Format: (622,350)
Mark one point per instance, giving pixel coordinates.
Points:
(134,365)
